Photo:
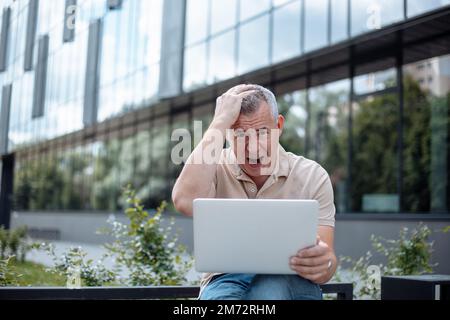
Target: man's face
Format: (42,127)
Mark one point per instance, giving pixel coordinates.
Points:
(254,135)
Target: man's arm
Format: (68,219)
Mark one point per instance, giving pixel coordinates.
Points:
(319,262)
(196,177)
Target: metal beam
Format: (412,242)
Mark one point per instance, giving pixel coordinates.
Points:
(4,39)
(33,9)
(40,78)
(4,117)
(70,11)
(172,45)
(92,73)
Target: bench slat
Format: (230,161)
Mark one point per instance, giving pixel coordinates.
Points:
(344,292)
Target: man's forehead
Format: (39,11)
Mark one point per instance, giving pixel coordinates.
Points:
(262,117)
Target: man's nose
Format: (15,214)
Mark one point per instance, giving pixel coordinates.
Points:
(251,146)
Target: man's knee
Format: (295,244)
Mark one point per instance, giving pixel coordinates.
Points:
(227,287)
(217,293)
(283,287)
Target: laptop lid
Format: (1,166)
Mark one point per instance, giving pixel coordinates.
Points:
(252,235)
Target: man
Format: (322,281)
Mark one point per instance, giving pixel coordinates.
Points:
(264,172)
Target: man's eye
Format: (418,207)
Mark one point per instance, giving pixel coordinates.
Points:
(262,132)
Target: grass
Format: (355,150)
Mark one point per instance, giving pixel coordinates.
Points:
(35,275)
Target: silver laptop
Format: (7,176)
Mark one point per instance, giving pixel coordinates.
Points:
(252,235)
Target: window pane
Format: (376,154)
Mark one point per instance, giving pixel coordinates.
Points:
(293,107)
(375,150)
(102,172)
(223,15)
(426,142)
(179,122)
(339,20)
(78,165)
(150,26)
(369,15)
(160,156)
(376,81)
(222,57)
(316,24)
(250,8)
(194,67)
(286,32)
(416,7)
(127,156)
(204,114)
(88,175)
(109,46)
(196,20)
(254,44)
(328,134)
(111,188)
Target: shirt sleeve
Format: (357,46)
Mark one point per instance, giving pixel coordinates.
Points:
(324,195)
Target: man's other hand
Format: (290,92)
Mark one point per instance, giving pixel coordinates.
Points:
(314,263)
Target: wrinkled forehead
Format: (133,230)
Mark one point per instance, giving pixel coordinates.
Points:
(261,118)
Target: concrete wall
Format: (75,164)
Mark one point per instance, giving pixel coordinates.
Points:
(352,236)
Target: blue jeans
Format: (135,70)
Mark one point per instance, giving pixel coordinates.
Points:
(241,286)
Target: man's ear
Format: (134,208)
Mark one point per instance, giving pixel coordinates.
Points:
(280,124)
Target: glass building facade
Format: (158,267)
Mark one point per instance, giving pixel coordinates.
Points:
(92,90)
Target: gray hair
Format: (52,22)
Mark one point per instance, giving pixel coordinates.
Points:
(253,100)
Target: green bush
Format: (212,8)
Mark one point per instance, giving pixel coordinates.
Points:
(8,274)
(144,248)
(147,249)
(73,265)
(408,255)
(14,243)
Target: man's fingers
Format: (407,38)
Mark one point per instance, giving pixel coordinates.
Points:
(316,261)
(313,276)
(238,95)
(312,252)
(245,93)
(309,270)
(240,88)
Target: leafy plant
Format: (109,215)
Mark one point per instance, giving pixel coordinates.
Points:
(14,243)
(73,263)
(411,254)
(8,275)
(408,255)
(146,248)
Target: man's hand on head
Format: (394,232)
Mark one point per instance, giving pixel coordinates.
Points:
(228,105)
(315,263)
(241,88)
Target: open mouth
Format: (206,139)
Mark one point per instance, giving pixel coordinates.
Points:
(254,161)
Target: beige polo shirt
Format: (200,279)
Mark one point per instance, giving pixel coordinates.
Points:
(295,177)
